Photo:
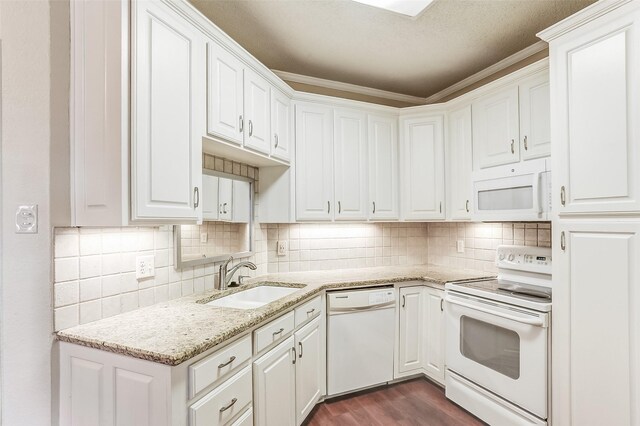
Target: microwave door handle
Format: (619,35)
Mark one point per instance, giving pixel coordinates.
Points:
(537,321)
(539,193)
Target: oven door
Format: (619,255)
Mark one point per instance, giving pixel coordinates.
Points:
(499,347)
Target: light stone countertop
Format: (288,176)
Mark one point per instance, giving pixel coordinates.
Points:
(173,332)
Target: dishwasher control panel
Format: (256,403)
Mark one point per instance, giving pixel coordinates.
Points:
(361,299)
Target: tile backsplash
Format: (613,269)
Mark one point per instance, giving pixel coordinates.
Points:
(94,268)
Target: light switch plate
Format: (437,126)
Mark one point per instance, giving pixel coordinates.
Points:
(460,246)
(145,267)
(204,237)
(27,219)
(282,248)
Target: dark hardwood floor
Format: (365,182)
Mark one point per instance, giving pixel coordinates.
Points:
(415,402)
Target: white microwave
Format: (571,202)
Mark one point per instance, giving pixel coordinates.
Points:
(517,192)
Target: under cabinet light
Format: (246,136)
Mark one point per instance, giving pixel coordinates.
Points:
(405,7)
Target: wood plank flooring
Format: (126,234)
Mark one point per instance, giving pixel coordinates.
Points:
(415,402)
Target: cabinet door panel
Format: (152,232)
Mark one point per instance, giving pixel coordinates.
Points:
(280,125)
(383,168)
(596,323)
(274,378)
(225,199)
(535,117)
(460,164)
(423,155)
(350,153)
(257,105)
(314,162)
(411,326)
(596,156)
(209,197)
(225,94)
(168,114)
(434,335)
(495,129)
(308,369)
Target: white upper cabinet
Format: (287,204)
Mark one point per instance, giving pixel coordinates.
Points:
(460,163)
(314,162)
(241,205)
(281,143)
(225,199)
(423,168)
(168,90)
(225,94)
(256,109)
(350,153)
(596,158)
(535,119)
(496,129)
(210,197)
(383,167)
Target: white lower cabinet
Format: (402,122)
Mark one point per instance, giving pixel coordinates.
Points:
(308,343)
(434,337)
(595,322)
(420,342)
(224,403)
(274,376)
(410,335)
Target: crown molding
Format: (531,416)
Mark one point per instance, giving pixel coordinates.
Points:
(488,72)
(347,87)
(581,18)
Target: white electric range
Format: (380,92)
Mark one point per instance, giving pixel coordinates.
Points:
(498,340)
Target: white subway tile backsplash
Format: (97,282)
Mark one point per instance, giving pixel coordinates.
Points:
(66,269)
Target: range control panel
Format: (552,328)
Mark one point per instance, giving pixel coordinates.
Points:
(521,258)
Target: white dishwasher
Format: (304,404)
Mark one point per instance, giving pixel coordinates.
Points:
(360,339)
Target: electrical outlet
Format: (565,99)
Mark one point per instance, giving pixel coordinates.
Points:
(282,248)
(460,246)
(27,219)
(145,266)
(204,237)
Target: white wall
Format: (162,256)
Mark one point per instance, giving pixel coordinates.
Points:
(26,316)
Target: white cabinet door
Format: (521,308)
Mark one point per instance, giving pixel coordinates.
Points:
(596,324)
(280,125)
(210,197)
(309,347)
(496,129)
(224,94)
(460,164)
(383,167)
(434,334)
(314,162)
(225,199)
(257,135)
(274,386)
(535,116)
(596,105)
(411,326)
(423,165)
(350,153)
(241,201)
(168,114)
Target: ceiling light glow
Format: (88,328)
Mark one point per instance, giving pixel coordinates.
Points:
(405,7)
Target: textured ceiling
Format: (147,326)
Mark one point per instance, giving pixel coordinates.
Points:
(353,43)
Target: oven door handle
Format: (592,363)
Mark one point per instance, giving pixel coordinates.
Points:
(537,321)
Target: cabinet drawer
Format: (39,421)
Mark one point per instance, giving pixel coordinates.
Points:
(245,420)
(219,364)
(308,310)
(223,403)
(274,331)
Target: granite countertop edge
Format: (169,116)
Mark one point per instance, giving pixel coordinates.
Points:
(254,317)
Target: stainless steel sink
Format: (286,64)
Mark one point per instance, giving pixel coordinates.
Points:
(253,297)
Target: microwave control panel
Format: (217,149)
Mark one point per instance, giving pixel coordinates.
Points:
(530,259)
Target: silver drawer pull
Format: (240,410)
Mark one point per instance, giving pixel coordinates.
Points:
(275,333)
(233,401)
(311,311)
(224,364)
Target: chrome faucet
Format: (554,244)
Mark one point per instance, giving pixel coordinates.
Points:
(224,275)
